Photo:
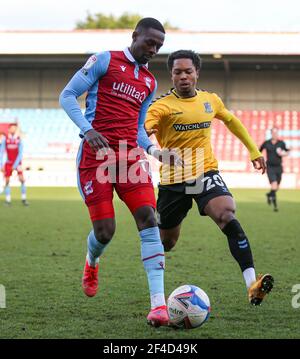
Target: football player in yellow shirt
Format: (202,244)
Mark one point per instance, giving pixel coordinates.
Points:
(181,121)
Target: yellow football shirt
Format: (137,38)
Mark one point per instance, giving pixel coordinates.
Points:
(184,124)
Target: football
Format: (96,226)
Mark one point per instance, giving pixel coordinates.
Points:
(188,307)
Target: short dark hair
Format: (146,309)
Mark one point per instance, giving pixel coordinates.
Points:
(150,22)
(184,54)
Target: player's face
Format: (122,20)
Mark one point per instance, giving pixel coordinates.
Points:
(274,134)
(184,77)
(12,130)
(146,44)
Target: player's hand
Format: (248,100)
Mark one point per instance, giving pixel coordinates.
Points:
(168,157)
(96,141)
(260,164)
(153,131)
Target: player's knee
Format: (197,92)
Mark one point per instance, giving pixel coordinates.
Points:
(104,234)
(169,243)
(145,218)
(150,222)
(227,215)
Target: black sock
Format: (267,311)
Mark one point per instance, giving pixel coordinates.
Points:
(273,198)
(239,244)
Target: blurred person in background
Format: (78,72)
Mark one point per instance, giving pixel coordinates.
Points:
(12,146)
(275,149)
(2,137)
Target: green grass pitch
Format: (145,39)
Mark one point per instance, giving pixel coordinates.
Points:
(42,253)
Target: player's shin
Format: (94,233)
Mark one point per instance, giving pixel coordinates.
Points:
(240,250)
(7,193)
(153,258)
(23,191)
(94,249)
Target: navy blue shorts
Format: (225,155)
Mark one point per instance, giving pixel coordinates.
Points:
(174,201)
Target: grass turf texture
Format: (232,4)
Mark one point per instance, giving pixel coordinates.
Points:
(43,248)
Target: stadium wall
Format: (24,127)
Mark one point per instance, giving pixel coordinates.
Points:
(36,82)
(244,83)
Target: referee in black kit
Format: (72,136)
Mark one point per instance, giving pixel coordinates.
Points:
(276,149)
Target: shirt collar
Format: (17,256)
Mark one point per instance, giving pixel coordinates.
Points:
(131,58)
(173,90)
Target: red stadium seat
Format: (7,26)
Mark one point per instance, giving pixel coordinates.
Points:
(229,149)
